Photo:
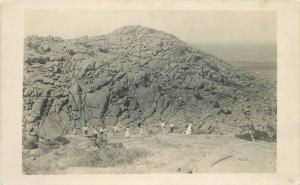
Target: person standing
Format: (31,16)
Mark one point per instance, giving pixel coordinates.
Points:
(95,132)
(172,128)
(99,138)
(101,133)
(127,134)
(75,131)
(140,128)
(74,128)
(189,129)
(141,131)
(251,134)
(162,126)
(85,130)
(115,130)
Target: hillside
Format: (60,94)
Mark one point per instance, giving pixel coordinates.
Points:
(138,74)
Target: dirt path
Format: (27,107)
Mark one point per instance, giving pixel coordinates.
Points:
(193,154)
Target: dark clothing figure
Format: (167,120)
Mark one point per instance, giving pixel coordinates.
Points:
(85,130)
(95,132)
(99,137)
(172,128)
(101,133)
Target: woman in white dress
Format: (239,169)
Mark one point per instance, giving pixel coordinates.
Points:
(115,130)
(127,134)
(162,126)
(189,129)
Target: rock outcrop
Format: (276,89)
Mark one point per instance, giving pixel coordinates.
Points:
(136,74)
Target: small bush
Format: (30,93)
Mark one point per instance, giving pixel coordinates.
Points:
(103,50)
(53,143)
(245,136)
(216,104)
(72,52)
(33,45)
(198,96)
(100,142)
(261,135)
(257,135)
(62,140)
(30,145)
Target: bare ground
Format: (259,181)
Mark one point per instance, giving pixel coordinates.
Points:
(174,153)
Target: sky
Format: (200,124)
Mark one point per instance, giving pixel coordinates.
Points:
(192,26)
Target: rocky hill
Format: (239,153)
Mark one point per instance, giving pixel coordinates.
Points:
(138,74)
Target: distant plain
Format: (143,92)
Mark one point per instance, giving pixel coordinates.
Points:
(260,59)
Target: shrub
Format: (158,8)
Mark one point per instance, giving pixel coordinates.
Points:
(100,142)
(33,45)
(257,134)
(53,143)
(72,52)
(261,135)
(62,140)
(30,145)
(245,136)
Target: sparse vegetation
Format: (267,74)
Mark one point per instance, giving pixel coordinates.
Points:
(48,161)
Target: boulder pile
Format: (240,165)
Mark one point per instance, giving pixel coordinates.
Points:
(138,74)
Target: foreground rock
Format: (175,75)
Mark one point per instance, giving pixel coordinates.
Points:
(137,74)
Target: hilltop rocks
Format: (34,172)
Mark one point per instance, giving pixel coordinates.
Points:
(138,74)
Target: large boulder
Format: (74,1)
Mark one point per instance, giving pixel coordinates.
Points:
(97,84)
(147,100)
(54,126)
(39,106)
(98,100)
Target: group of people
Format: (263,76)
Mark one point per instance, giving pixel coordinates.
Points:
(127,132)
(101,132)
(172,127)
(92,131)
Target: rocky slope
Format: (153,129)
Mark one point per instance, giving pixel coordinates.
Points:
(138,74)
